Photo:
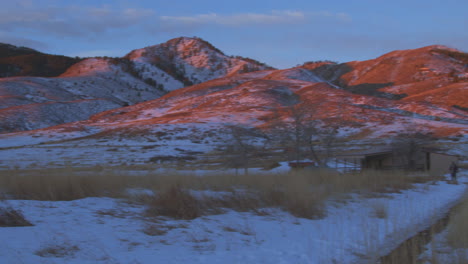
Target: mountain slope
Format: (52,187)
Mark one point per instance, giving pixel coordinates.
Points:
(200,113)
(424,87)
(21,61)
(254,98)
(171,65)
(193,60)
(142,75)
(32,116)
(398,74)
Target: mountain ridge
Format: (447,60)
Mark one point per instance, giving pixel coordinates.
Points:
(425,86)
(422,91)
(118,81)
(23,61)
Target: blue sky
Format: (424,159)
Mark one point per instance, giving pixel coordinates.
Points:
(281,33)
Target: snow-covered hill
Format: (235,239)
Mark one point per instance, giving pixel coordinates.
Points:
(193,60)
(23,99)
(197,115)
(423,88)
(370,99)
(142,75)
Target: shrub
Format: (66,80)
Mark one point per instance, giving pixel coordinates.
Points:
(461,56)
(10,217)
(175,202)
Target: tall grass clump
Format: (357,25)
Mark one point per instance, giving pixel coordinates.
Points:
(175,202)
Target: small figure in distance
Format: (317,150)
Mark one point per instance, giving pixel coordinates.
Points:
(453,170)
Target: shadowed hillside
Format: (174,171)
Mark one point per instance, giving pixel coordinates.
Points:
(21,61)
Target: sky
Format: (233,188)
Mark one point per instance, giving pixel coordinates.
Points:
(281,33)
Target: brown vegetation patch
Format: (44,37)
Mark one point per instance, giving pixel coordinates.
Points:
(10,217)
(154,230)
(175,202)
(57,251)
(61,184)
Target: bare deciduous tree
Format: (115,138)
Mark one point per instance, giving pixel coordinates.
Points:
(241,146)
(407,147)
(303,136)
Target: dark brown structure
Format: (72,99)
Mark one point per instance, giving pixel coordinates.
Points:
(435,163)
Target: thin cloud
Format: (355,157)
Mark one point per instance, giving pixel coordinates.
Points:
(343,17)
(275,17)
(72,20)
(25,42)
(95,22)
(247,19)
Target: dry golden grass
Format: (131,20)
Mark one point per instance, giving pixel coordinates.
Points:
(175,202)
(302,193)
(60,184)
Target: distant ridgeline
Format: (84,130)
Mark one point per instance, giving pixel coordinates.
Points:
(22,61)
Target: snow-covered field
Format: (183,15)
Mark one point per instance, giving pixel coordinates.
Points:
(106,230)
(55,149)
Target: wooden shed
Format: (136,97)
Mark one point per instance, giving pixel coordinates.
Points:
(433,162)
(438,163)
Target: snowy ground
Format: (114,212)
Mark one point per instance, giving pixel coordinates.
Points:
(85,155)
(55,150)
(105,230)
